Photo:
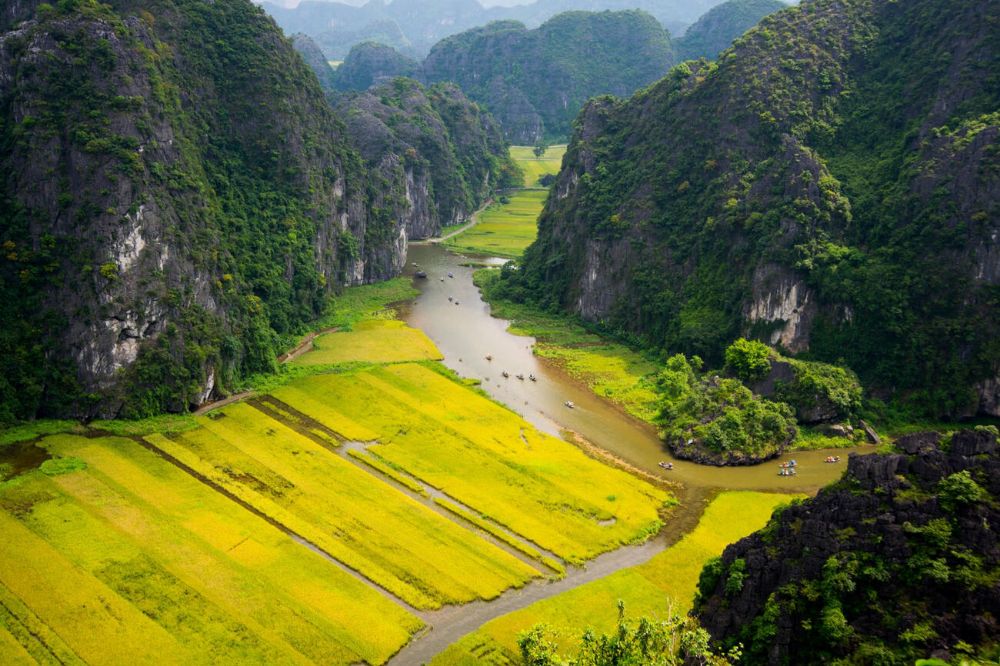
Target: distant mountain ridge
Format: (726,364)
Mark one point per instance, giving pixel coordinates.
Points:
(414,26)
(716,30)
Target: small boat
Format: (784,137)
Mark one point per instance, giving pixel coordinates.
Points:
(665,465)
(442,279)
(505,374)
(533,378)
(451,275)
(456,302)
(520,376)
(416,264)
(421,274)
(569,403)
(450,299)
(489,357)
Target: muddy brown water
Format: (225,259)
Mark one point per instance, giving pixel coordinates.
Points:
(466,333)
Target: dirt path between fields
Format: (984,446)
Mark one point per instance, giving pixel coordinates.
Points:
(287,357)
(452,623)
(473,221)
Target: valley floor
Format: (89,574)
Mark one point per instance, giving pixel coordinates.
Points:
(216,540)
(507,227)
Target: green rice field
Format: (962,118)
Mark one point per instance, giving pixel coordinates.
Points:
(507,228)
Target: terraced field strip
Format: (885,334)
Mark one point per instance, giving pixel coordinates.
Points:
(453,510)
(663,585)
(375,341)
(533,166)
(503,229)
(132,559)
(377,530)
(471,449)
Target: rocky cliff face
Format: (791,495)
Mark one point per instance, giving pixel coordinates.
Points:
(435,153)
(752,197)
(898,561)
(176,194)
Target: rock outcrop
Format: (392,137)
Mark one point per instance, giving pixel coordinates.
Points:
(743,197)
(898,561)
(449,156)
(176,194)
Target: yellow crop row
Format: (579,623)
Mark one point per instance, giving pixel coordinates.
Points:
(377,530)
(164,569)
(489,459)
(381,467)
(665,584)
(500,534)
(373,341)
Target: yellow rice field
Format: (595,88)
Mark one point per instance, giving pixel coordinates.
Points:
(399,544)
(374,341)
(535,167)
(132,560)
(504,229)
(488,458)
(665,583)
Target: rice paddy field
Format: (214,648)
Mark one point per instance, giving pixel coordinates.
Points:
(664,585)
(504,229)
(114,555)
(311,524)
(376,341)
(455,440)
(535,167)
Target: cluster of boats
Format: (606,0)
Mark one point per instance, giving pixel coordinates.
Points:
(832,459)
(787,468)
(423,274)
(506,375)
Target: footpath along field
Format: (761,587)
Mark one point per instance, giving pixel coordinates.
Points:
(506,228)
(311,523)
(665,584)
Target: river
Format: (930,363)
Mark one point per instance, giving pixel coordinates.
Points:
(466,333)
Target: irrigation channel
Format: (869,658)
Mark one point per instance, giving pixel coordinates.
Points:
(452,313)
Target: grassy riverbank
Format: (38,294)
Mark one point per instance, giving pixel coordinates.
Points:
(610,369)
(664,585)
(180,539)
(510,225)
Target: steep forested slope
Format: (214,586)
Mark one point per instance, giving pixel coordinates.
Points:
(313,56)
(831,185)
(369,63)
(450,155)
(716,30)
(535,81)
(899,561)
(177,198)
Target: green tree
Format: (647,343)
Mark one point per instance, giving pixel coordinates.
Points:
(646,643)
(748,359)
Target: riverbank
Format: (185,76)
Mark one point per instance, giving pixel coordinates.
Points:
(417,535)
